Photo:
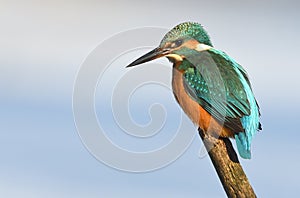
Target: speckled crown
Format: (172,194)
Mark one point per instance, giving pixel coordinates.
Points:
(187,29)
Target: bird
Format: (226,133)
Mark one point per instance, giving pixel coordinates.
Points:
(210,86)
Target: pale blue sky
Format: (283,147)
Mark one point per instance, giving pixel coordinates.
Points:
(42,48)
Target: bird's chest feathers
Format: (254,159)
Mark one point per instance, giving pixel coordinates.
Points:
(190,107)
(194,111)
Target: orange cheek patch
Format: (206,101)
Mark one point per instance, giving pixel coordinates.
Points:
(191,44)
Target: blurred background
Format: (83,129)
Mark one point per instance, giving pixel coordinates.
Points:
(42,46)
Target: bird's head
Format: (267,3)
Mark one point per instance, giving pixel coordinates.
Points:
(177,42)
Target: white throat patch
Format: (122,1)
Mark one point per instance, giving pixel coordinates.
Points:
(202,47)
(175,56)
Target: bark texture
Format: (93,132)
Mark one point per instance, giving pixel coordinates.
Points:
(228,167)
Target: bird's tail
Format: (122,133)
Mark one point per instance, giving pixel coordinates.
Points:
(242,145)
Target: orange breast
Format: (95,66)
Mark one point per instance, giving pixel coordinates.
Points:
(195,112)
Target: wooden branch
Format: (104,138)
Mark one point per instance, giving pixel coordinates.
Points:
(226,163)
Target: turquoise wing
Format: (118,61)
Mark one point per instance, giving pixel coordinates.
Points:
(222,88)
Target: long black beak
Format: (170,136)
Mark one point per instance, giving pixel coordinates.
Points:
(154,54)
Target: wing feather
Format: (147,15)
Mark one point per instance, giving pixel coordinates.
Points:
(214,82)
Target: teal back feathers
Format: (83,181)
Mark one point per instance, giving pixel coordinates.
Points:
(225,93)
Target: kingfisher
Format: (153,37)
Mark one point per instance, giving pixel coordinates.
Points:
(210,86)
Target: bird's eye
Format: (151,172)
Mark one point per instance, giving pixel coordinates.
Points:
(178,42)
